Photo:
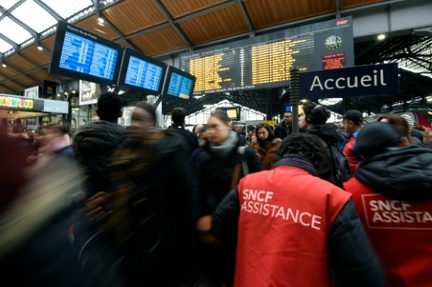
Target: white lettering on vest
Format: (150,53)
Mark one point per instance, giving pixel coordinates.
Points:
(257,202)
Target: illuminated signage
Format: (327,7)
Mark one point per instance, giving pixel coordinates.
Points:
(368,80)
(10,102)
(264,61)
(20,103)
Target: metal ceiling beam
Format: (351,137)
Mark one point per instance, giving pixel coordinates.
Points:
(11,79)
(173,23)
(6,88)
(19,75)
(118,32)
(34,64)
(205,11)
(147,30)
(246,17)
(49,10)
(19,22)
(16,5)
(96,5)
(12,43)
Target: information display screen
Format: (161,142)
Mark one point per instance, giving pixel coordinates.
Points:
(178,83)
(142,73)
(81,54)
(265,61)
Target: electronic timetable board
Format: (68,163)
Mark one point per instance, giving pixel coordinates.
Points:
(265,61)
(83,55)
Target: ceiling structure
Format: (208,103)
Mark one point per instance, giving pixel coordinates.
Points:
(165,28)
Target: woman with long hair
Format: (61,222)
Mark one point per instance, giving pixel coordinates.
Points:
(266,145)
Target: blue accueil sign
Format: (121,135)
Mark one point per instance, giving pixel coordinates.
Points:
(358,81)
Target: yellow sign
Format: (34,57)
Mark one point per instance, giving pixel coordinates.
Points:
(11,102)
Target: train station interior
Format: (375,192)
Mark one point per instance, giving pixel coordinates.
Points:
(384,31)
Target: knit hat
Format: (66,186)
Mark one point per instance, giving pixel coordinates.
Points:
(375,137)
(353,115)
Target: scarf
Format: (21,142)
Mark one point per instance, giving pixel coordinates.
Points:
(224,149)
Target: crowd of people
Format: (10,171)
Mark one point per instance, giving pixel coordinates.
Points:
(219,206)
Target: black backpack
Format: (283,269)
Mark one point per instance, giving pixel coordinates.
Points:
(339,166)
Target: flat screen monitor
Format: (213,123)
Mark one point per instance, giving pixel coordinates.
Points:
(83,55)
(142,73)
(178,83)
(233,113)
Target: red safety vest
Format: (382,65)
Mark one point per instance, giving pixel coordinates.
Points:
(285,217)
(400,232)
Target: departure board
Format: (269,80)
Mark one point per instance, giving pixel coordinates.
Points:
(83,55)
(88,57)
(265,61)
(142,73)
(178,83)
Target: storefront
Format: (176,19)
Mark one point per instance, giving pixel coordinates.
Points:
(29,111)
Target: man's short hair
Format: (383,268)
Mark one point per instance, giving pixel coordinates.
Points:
(355,116)
(178,115)
(109,106)
(310,146)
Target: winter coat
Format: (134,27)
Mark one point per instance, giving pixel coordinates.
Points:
(93,145)
(392,192)
(328,232)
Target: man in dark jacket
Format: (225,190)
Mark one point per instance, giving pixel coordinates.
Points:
(284,128)
(292,226)
(178,116)
(392,193)
(94,143)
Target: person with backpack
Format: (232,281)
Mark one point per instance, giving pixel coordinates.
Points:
(217,165)
(313,120)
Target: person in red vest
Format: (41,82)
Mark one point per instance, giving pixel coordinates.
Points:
(292,227)
(392,193)
(353,122)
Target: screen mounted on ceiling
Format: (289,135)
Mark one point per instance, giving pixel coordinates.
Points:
(178,83)
(142,73)
(83,55)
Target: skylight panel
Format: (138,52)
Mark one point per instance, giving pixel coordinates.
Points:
(67,8)
(26,14)
(8,3)
(14,31)
(4,46)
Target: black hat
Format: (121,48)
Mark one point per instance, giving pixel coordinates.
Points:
(353,115)
(375,137)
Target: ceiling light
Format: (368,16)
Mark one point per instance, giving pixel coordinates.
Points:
(39,47)
(100,20)
(381,37)
(4,65)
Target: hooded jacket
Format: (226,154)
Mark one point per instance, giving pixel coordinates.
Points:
(329,133)
(93,145)
(392,193)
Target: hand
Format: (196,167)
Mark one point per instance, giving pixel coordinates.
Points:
(97,206)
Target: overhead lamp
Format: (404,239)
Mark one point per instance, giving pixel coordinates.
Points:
(4,65)
(381,36)
(39,47)
(100,20)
